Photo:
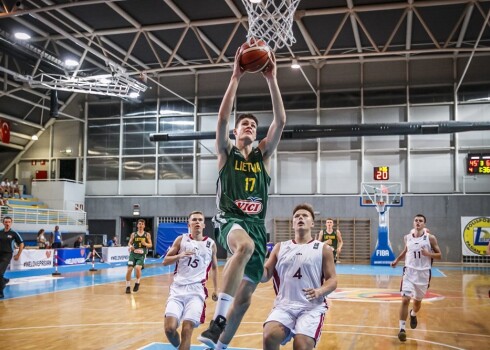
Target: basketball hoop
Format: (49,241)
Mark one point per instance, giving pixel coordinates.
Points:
(271,21)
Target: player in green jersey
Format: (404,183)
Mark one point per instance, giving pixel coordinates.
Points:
(242,190)
(333,238)
(138,244)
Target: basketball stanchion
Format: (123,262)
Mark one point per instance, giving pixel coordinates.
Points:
(93,260)
(56,272)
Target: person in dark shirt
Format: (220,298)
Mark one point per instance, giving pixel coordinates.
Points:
(78,243)
(7,237)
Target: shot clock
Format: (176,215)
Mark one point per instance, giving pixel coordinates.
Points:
(477,164)
(381,173)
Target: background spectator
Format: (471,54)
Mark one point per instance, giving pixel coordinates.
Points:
(42,242)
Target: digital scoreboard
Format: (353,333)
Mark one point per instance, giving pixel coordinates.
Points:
(381,173)
(478,164)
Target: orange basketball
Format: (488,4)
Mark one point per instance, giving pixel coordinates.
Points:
(254,56)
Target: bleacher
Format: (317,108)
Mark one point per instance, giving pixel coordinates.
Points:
(30,210)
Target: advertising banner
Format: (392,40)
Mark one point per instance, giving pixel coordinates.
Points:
(72,256)
(475,233)
(33,259)
(113,255)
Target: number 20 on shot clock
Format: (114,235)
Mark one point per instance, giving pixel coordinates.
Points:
(381,173)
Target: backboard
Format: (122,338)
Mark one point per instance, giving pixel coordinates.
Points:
(381,195)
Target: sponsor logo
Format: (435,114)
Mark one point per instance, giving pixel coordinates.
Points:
(476,235)
(38,263)
(74,261)
(380,252)
(119,257)
(249,206)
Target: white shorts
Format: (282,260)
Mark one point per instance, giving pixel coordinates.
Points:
(415,283)
(299,321)
(186,304)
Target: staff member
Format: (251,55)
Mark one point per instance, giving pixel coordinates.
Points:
(7,236)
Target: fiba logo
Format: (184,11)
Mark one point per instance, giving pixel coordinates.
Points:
(476,235)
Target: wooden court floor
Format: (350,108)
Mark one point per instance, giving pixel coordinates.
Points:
(363,315)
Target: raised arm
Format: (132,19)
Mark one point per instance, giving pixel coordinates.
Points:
(223,142)
(269,144)
(320,236)
(270,265)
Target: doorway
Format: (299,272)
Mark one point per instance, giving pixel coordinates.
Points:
(68,169)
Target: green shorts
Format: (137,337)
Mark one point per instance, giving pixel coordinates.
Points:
(256,230)
(136,259)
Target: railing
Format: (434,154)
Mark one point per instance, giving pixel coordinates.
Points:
(44,216)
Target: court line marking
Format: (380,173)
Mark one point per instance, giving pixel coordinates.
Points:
(375,335)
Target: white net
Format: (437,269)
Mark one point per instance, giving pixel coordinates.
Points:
(272,21)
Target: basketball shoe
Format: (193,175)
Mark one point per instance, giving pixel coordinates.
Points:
(136,287)
(413,321)
(402,335)
(211,335)
(128,290)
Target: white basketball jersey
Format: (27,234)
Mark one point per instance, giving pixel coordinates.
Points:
(194,268)
(414,258)
(298,266)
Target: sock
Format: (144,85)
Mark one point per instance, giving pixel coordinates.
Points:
(224,303)
(221,346)
(413,313)
(402,324)
(138,280)
(128,283)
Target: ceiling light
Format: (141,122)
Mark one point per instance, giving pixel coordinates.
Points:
(133,94)
(71,62)
(295,64)
(34,138)
(22,36)
(104,80)
(255,1)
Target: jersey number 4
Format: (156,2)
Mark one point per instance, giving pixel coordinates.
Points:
(298,274)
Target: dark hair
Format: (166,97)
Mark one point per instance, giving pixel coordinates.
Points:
(142,220)
(40,231)
(422,216)
(194,212)
(306,207)
(246,116)
(7,217)
(328,219)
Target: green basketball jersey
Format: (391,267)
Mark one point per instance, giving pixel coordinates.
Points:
(243,185)
(332,236)
(138,240)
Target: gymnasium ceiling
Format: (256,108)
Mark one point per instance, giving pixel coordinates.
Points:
(144,39)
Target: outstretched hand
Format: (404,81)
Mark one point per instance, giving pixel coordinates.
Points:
(270,71)
(238,71)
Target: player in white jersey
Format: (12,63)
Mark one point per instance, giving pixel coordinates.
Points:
(304,274)
(420,249)
(194,255)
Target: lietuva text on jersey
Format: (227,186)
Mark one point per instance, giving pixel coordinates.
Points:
(243,185)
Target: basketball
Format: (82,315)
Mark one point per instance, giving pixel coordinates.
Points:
(254,56)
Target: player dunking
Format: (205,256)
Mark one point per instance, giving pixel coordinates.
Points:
(421,248)
(242,192)
(304,274)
